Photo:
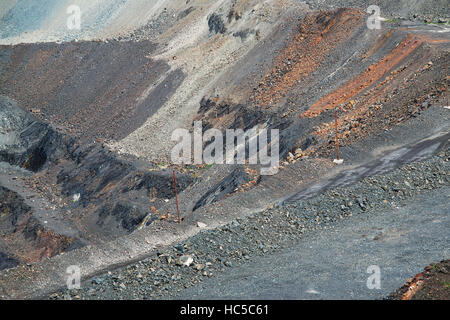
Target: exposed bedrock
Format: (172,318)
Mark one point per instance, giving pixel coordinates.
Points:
(25,141)
(24,238)
(100,194)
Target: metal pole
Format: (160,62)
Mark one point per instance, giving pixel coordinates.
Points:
(337,138)
(176,196)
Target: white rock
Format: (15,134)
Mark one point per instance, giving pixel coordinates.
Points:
(185,260)
(201,225)
(312,291)
(338,161)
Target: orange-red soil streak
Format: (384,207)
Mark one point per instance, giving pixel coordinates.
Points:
(415,286)
(372,74)
(317,36)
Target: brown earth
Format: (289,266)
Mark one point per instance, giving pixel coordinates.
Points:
(431,284)
(89,89)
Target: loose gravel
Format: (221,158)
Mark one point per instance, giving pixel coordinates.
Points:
(212,251)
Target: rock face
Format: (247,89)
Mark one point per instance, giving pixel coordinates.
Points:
(84,184)
(223,188)
(24,237)
(7,262)
(25,141)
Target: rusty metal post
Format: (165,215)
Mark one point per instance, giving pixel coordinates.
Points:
(337,138)
(176,196)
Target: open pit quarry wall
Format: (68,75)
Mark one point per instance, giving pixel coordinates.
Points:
(87,115)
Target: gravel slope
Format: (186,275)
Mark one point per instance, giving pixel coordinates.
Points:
(265,234)
(332,263)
